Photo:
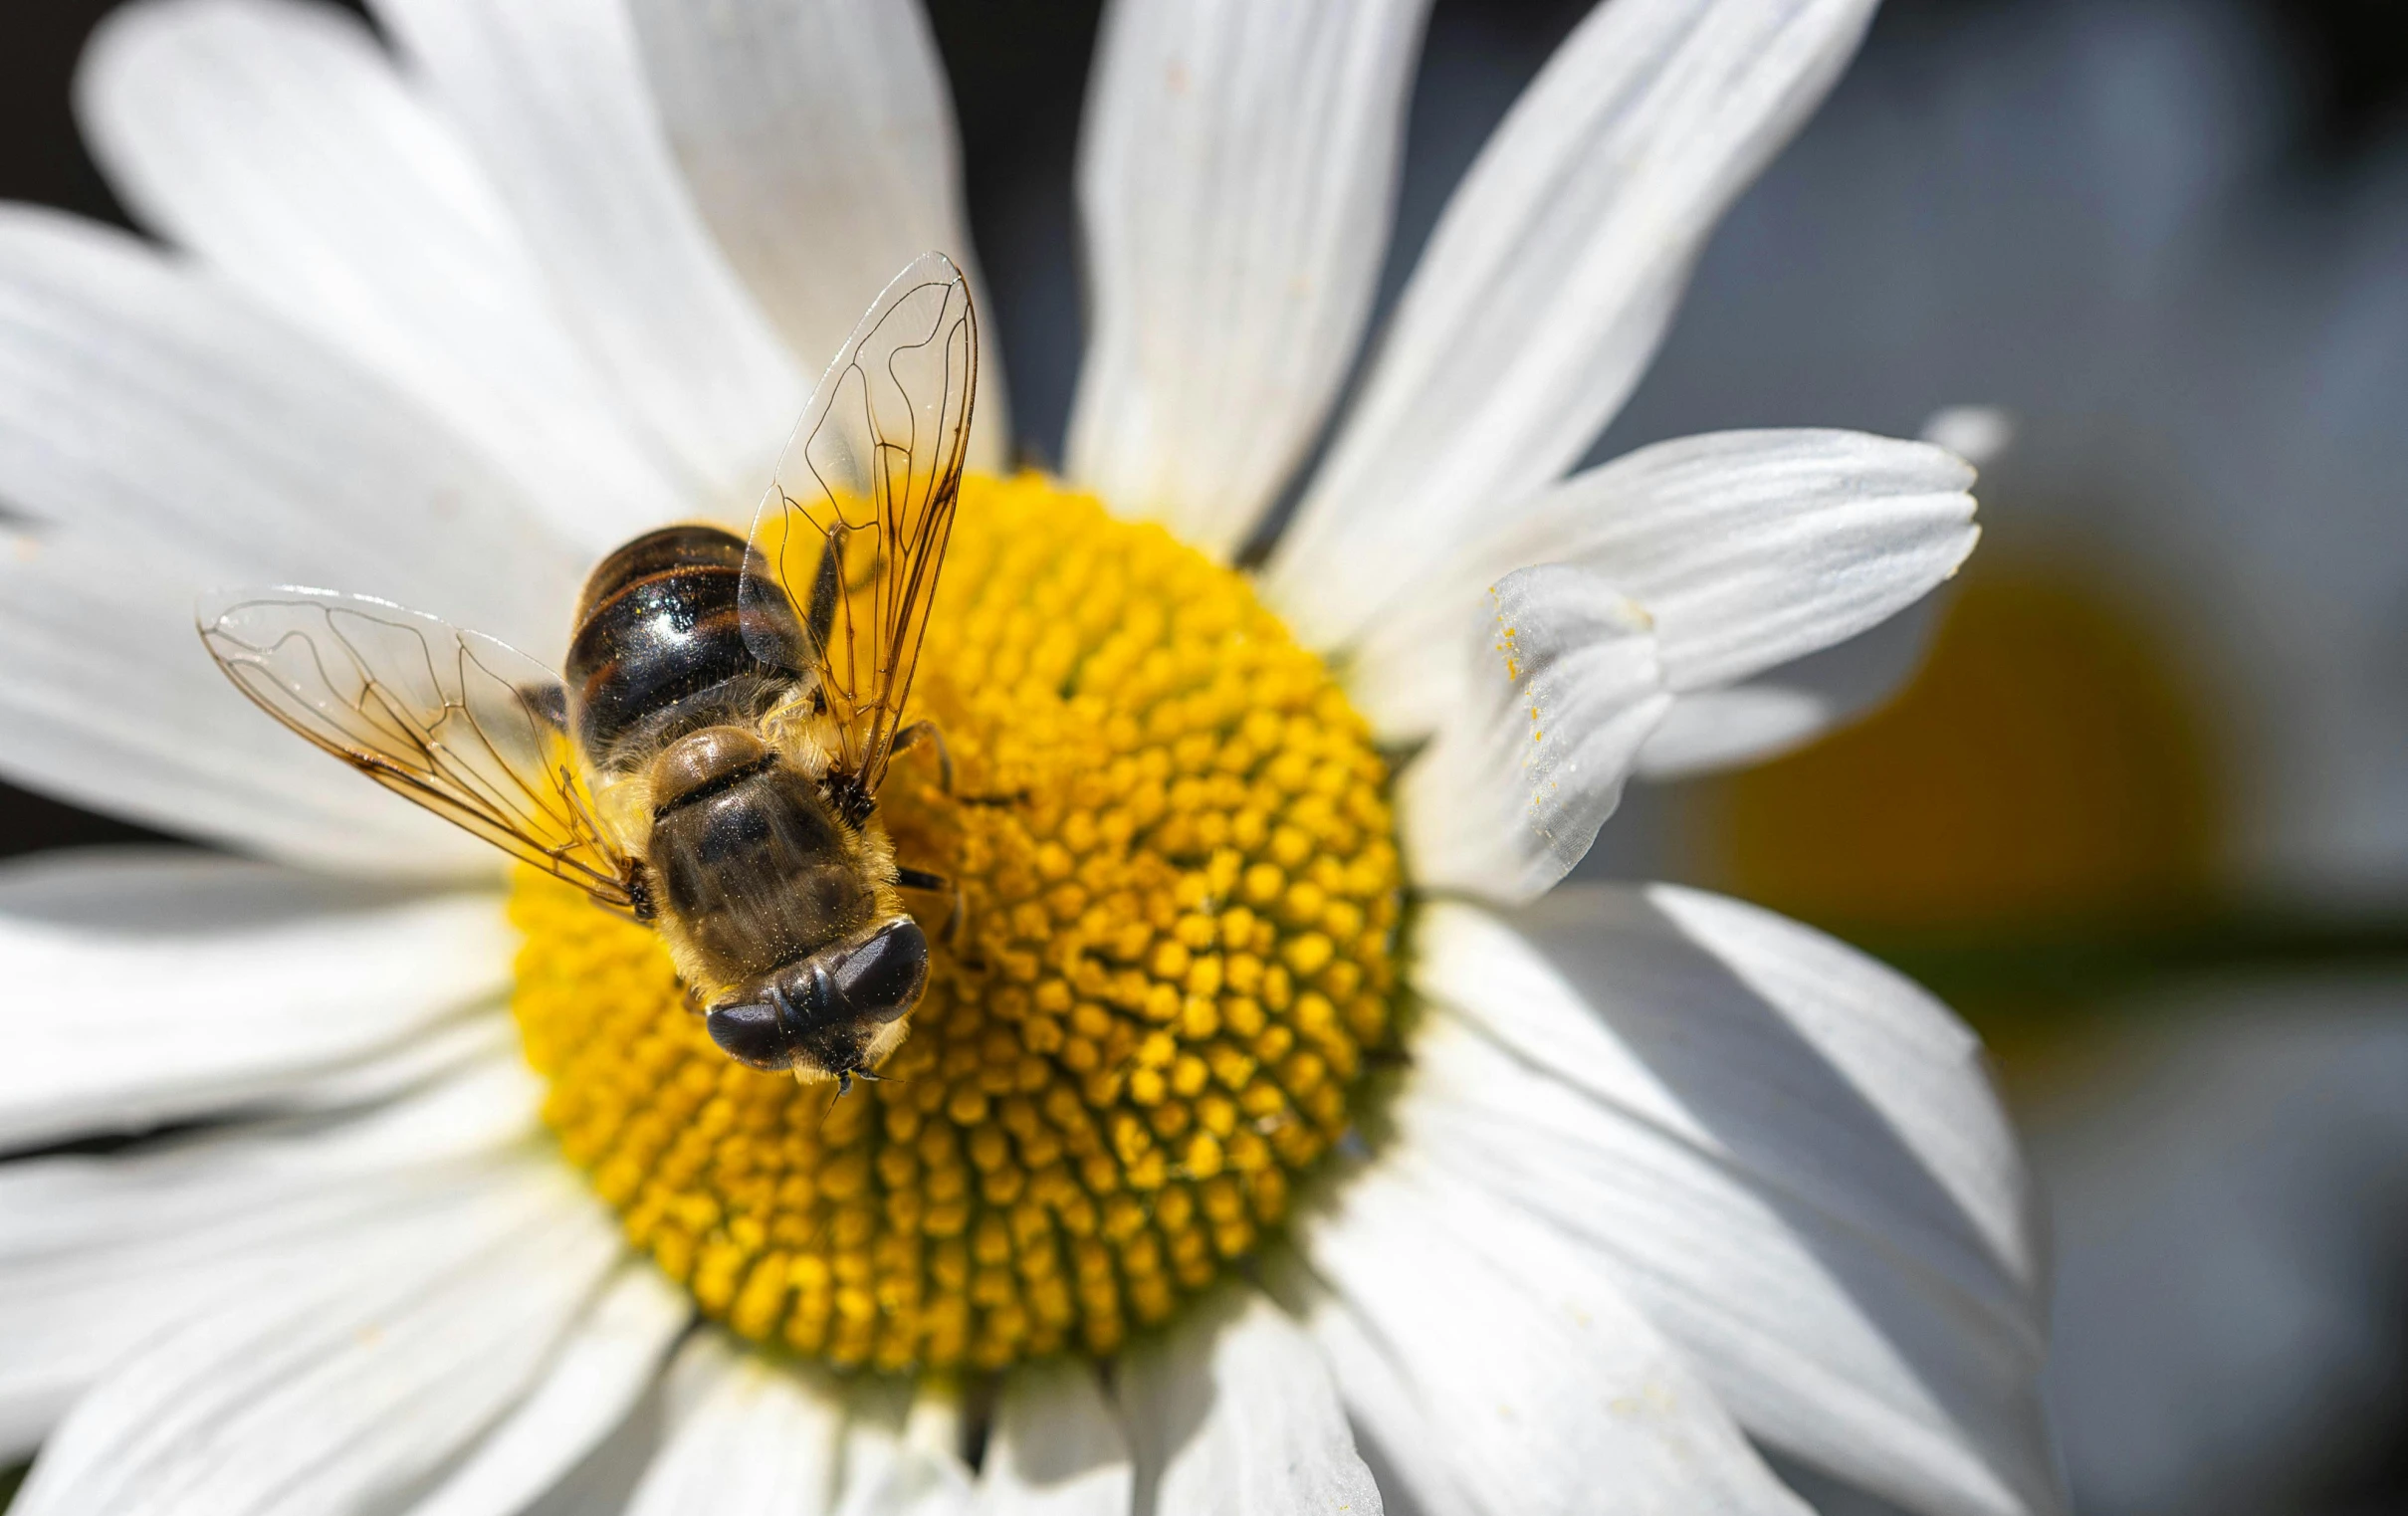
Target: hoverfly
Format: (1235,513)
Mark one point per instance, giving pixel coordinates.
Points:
(710,763)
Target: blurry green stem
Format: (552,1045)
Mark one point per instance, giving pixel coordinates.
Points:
(2039,970)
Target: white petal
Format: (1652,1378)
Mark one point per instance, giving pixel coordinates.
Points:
(1749,549)
(1728,729)
(603,1367)
(1232,1410)
(276,142)
(340,1378)
(1545,1391)
(1738,725)
(1792,1055)
(69,1318)
(168,439)
(1405,1455)
(605,1479)
(1055,1449)
(480,1038)
(1822,1340)
(818,144)
(65,1205)
(152,986)
(901,1451)
(1979,434)
(1793,1155)
(759,1439)
(145,403)
(696,1370)
(98,1253)
(1549,281)
(1237,172)
(551,97)
(1508,798)
(932,1478)
(107,700)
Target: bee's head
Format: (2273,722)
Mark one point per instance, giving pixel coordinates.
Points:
(833,1013)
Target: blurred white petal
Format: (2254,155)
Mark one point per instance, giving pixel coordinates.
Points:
(902,1450)
(1055,1449)
(752,1438)
(1752,722)
(1976,433)
(1729,728)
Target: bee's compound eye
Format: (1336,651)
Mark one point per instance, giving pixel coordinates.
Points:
(882,979)
(751,1033)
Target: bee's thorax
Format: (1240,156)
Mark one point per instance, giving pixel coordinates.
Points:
(703,764)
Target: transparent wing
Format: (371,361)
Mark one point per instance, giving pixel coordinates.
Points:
(469,728)
(845,552)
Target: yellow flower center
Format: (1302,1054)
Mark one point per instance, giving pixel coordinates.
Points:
(1178,896)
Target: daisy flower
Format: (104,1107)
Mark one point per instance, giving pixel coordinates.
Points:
(1280,1141)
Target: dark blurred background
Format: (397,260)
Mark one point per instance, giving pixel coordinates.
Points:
(2143,812)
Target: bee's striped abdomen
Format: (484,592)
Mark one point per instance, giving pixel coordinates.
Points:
(659,647)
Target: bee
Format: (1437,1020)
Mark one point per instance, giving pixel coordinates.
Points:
(709,765)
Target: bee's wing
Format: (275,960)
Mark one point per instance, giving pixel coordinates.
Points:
(469,728)
(844,556)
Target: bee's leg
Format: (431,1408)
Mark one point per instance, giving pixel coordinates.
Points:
(937,883)
(956,919)
(927,731)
